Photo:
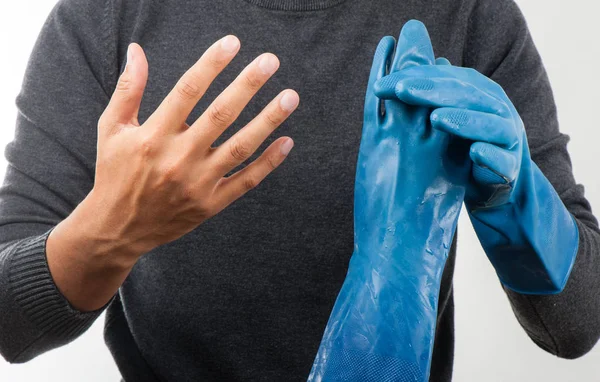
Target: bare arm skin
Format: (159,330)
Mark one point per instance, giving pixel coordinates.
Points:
(156,182)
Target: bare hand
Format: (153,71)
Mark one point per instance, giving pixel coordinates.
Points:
(158,181)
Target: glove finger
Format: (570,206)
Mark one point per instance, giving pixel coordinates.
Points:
(387,87)
(492,164)
(448,92)
(381,60)
(476,126)
(414,47)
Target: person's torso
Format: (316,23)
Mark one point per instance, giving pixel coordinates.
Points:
(246,295)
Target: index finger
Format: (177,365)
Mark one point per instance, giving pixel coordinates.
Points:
(181,100)
(443,86)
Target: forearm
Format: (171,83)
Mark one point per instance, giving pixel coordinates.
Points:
(87,263)
(566,324)
(499,45)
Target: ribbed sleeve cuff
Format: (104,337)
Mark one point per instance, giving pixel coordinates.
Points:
(34,290)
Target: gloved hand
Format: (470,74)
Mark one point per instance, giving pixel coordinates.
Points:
(408,194)
(524,228)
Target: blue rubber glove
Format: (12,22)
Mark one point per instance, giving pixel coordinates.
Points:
(524,228)
(409,190)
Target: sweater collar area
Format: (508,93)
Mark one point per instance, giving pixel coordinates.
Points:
(295,5)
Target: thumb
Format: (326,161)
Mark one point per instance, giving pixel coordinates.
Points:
(125,102)
(414,47)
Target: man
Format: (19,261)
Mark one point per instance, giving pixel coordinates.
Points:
(93,203)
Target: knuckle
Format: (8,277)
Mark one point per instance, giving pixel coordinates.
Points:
(128,97)
(250,182)
(273,119)
(147,147)
(214,61)
(272,162)
(188,193)
(124,84)
(104,120)
(204,209)
(107,124)
(252,81)
(168,172)
(502,109)
(499,90)
(220,114)
(471,71)
(202,205)
(188,88)
(238,150)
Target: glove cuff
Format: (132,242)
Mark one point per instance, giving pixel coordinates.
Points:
(532,240)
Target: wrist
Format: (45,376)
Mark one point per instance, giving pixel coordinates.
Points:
(86,263)
(532,244)
(85,235)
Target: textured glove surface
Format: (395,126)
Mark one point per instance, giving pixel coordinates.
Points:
(524,228)
(408,193)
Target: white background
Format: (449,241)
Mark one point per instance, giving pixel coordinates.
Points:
(490,345)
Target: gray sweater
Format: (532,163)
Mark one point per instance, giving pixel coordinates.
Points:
(246,295)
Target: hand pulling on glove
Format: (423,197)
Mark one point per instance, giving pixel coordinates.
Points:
(524,228)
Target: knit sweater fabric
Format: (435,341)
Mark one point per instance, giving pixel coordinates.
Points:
(246,295)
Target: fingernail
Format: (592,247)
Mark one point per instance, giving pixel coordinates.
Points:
(286,147)
(268,64)
(230,43)
(289,101)
(130,55)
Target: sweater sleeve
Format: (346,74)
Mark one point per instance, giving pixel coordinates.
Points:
(499,45)
(50,170)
